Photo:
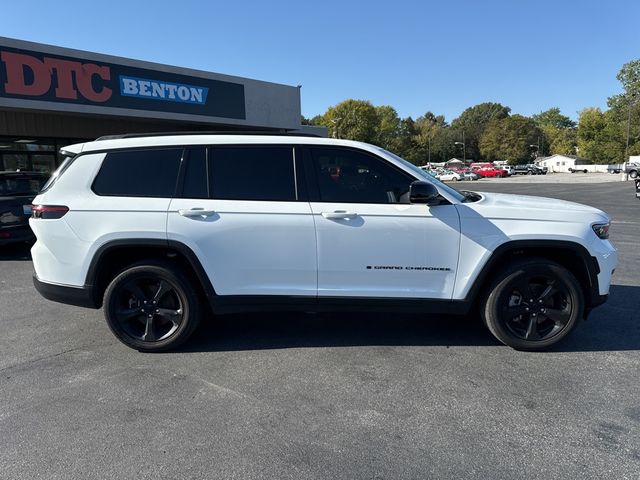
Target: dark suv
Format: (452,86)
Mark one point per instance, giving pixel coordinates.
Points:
(17,191)
(528,169)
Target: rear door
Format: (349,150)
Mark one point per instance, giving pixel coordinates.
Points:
(244,212)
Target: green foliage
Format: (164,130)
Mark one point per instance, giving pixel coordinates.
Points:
(473,122)
(629,77)
(352,119)
(387,128)
(510,139)
(553,118)
(558,140)
(600,136)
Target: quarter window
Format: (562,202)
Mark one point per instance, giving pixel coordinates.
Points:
(139,173)
(348,176)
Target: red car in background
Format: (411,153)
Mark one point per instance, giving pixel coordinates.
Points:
(491,172)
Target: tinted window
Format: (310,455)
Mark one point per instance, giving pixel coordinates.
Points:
(139,173)
(354,177)
(252,173)
(195,175)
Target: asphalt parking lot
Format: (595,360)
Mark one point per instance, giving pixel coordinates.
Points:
(376,396)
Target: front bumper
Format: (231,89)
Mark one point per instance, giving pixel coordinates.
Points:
(78,296)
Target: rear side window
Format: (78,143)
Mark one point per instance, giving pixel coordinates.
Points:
(139,173)
(252,173)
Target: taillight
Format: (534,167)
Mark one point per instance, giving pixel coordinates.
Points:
(48,212)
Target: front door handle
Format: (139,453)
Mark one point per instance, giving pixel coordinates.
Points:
(196,212)
(339,214)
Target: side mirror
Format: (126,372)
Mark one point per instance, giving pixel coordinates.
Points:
(423,192)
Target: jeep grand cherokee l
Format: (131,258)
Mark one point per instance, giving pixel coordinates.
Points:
(160,230)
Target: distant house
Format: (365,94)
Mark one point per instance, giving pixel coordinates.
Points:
(563,163)
(455,162)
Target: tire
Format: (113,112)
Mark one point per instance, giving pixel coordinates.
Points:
(584,171)
(633,174)
(529,172)
(136,295)
(525,323)
(455,179)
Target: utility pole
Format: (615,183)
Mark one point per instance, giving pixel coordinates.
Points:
(626,150)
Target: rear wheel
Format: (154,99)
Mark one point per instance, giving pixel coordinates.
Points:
(633,174)
(533,304)
(151,307)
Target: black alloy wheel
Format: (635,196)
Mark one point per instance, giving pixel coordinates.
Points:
(151,307)
(533,304)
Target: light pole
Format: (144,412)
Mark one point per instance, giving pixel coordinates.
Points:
(537,147)
(464,148)
(626,150)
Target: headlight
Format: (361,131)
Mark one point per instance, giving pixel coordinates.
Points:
(601,230)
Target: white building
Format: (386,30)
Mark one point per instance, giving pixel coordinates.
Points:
(563,163)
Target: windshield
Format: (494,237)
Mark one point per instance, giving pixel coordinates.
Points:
(14,185)
(424,175)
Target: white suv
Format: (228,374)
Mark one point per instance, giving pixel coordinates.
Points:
(156,229)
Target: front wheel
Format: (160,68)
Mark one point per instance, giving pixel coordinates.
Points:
(151,307)
(533,304)
(633,174)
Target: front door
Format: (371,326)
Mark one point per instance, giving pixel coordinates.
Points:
(371,241)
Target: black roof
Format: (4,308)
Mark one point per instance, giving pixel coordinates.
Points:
(212,132)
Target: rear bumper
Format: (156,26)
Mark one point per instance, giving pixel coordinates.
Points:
(78,296)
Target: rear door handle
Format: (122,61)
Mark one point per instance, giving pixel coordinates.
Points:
(196,212)
(339,214)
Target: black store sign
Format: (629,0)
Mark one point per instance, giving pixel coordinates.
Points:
(54,78)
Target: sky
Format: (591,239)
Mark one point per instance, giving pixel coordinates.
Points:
(416,56)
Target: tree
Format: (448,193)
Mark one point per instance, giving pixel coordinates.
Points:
(553,118)
(434,139)
(563,141)
(559,135)
(387,128)
(625,108)
(473,122)
(629,76)
(600,136)
(352,119)
(509,139)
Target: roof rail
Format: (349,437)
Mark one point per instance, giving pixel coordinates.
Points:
(211,132)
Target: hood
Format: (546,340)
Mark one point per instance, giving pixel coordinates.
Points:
(525,206)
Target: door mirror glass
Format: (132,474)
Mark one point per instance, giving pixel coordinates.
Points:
(424,192)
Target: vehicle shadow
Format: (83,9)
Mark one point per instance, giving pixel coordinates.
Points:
(613,326)
(15,251)
(610,327)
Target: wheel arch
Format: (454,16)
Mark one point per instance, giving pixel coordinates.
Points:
(115,255)
(571,255)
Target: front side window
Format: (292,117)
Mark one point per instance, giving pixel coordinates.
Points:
(349,176)
(252,173)
(139,173)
